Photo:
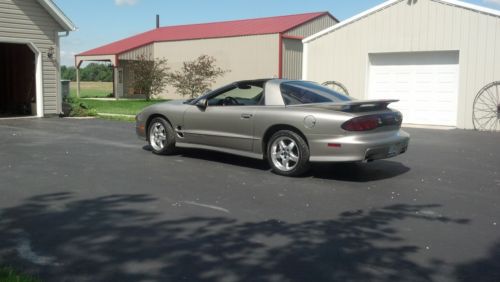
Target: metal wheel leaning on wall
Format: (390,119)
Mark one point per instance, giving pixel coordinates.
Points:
(337,86)
(486,108)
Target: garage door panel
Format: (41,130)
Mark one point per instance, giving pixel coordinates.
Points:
(425,83)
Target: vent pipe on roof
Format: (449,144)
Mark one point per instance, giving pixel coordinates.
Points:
(157,21)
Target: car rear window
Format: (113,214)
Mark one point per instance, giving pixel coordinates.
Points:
(303,92)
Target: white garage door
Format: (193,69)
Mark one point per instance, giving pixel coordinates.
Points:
(426,83)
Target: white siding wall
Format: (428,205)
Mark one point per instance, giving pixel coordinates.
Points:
(427,25)
(28,20)
(247,57)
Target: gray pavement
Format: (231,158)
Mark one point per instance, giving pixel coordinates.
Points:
(84,200)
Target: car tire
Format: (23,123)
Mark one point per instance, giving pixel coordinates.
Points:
(161,137)
(288,153)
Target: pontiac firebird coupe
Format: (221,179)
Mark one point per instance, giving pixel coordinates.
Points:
(288,122)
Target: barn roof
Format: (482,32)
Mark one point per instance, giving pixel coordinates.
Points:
(389,3)
(247,27)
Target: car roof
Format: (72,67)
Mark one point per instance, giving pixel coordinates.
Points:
(253,80)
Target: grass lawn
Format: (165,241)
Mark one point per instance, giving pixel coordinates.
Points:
(8,274)
(123,107)
(90,89)
(102,90)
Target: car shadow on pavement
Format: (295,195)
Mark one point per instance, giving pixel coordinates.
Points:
(351,172)
(218,157)
(117,238)
(359,172)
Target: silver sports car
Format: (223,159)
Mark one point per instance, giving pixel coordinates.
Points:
(288,122)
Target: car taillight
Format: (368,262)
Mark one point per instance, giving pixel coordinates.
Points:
(365,123)
(362,123)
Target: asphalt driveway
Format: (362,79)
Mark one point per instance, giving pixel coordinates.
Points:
(84,200)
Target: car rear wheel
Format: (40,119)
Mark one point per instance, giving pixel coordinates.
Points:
(161,137)
(288,153)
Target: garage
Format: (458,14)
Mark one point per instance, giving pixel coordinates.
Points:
(17,80)
(30,32)
(438,57)
(426,83)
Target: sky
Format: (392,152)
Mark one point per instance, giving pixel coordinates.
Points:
(103,21)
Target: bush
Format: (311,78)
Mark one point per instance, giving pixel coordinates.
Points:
(82,112)
(80,109)
(196,77)
(150,75)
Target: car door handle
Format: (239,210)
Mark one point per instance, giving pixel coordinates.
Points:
(246,116)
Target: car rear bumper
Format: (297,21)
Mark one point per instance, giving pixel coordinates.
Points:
(362,147)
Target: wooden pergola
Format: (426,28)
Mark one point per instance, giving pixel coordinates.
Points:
(79,59)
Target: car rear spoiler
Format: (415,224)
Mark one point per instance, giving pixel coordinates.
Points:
(355,106)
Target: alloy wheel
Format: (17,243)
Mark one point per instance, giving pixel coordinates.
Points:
(158,136)
(285,154)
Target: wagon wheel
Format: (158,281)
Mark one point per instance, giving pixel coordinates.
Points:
(486,115)
(337,86)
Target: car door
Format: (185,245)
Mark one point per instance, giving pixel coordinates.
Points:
(227,121)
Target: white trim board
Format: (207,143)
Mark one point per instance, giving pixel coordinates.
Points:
(390,3)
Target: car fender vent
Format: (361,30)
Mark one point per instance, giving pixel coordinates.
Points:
(178,131)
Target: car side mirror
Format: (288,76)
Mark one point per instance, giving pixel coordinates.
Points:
(202,103)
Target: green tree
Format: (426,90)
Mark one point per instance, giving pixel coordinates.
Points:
(150,75)
(92,72)
(68,73)
(196,77)
(96,72)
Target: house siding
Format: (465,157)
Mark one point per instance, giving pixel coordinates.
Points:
(27,20)
(426,25)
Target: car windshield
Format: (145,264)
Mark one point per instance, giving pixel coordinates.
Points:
(303,92)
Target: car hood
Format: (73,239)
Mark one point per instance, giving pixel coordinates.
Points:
(175,102)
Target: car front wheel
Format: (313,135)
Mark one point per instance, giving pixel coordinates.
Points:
(288,153)
(161,137)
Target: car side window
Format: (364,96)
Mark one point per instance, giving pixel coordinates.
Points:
(301,92)
(241,95)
